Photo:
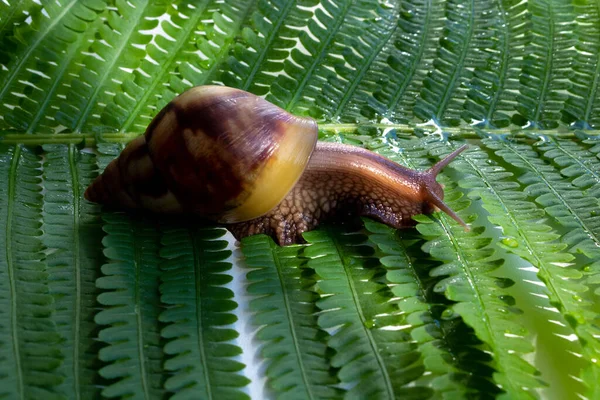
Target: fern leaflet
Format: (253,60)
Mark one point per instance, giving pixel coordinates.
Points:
(72,234)
(452,367)
(200,341)
(29,351)
(285,313)
(131,308)
(375,356)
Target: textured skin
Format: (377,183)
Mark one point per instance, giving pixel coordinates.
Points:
(340,182)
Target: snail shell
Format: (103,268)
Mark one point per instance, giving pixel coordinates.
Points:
(234,158)
(218,152)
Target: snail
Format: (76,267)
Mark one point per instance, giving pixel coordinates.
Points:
(232,157)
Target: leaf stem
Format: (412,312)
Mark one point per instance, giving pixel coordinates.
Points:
(77,266)
(11,270)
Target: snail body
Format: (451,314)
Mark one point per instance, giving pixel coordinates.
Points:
(232,157)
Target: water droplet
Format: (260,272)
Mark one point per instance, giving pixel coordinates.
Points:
(370,324)
(510,242)
(448,314)
(577,298)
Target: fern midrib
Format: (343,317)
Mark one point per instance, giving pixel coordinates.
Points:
(138,263)
(356,79)
(503,66)
(593,90)
(77,266)
(321,53)
(421,48)
(267,46)
(40,38)
(166,67)
(363,321)
(290,317)
(549,63)
(196,244)
(565,203)
(124,36)
(11,270)
(459,66)
(578,161)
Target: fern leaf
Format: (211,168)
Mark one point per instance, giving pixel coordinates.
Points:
(200,341)
(33,78)
(491,97)
(285,314)
(443,91)
(307,69)
(575,162)
(564,202)
(363,47)
(452,368)
(72,235)
(29,351)
(263,49)
(106,65)
(130,308)
(581,108)
(525,233)
(546,69)
(175,63)
(469,263)
(375,356)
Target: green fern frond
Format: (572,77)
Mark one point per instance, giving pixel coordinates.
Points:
(175,63)
(200,340)
(482,302)
(307,69)
(401,65)
(72,233)
(262,50)
(469,264)
(443,90)
(285,313)
(566,203)
(29,351)
(375,356)
(363,47)
(563,201)
(452,369)
(526,234)
(491,97)
(575,162)
(108,59)
(547,64)
(56,35)
(130,308)
(581,108)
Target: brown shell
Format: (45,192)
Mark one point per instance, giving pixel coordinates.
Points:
(219,152)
